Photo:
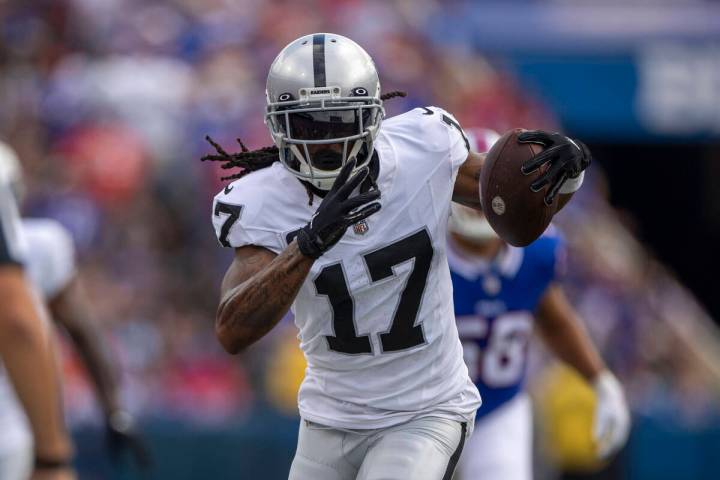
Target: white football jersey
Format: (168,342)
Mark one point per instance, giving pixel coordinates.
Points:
(375,314)
(12,242)
(49,265)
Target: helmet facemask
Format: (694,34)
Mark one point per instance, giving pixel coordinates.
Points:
(351,123)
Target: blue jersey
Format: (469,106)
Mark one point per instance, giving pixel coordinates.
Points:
(494,306)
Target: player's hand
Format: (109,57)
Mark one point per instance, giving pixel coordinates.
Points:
(566,157)
(611,424)
(337,212)
(122,437)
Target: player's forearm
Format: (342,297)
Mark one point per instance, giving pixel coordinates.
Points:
(467,183)
(571,344)
(27,352)
(70,310)
(90,347)
(566,336)
(251,309)
(33,370)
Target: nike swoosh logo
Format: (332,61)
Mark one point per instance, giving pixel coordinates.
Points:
(228,188)
(427,111)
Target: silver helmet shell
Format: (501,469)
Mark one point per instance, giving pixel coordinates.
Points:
(323,89)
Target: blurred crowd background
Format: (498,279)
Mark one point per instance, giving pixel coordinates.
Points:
(108,102)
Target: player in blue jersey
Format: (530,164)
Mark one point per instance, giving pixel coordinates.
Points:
(501,293)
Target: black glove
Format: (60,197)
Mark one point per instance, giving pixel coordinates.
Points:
(337,212)
(121,437)
(567,158)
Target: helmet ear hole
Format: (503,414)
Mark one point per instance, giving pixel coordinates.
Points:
(359,92)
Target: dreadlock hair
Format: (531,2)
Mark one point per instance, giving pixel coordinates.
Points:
(252,160)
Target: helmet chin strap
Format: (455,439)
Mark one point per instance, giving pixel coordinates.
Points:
(309,171)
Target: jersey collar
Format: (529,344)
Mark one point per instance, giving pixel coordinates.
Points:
(507,262)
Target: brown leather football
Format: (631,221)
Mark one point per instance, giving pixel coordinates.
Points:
(515,212)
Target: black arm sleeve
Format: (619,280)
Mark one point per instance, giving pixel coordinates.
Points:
(10,244)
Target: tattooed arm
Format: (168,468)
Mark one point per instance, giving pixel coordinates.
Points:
(257,291)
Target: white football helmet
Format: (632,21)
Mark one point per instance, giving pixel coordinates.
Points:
(470,224)
(323,89)
(11,171)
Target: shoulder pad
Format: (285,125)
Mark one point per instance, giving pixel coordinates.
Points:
(247,211)
(51,255)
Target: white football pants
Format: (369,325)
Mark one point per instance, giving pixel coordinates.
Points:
(500,448)
(17,463)
(422,449)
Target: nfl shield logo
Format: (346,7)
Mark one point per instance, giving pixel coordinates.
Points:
(360,228)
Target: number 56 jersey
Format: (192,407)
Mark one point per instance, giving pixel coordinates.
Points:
(375,314)
(495,303)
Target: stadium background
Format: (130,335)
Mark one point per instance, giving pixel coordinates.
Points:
(108,101)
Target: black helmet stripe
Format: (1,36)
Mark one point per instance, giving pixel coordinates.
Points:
(319,59)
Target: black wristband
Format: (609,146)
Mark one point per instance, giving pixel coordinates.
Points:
(51,464)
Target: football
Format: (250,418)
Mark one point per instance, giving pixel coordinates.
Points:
(515,212)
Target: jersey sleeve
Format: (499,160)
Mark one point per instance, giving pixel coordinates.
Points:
(459,144)
(560,264)
(11,239)
(235,216)
(455,140)
(553,257)
(61,260)
(51,255)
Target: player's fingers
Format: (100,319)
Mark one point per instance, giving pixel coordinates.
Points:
(604,433)
(363,213)
(549,176)
(555,188)
(359,200)
(535,136)
(345,190)
(529,166)
(599,429)
(606,446)
(343,175)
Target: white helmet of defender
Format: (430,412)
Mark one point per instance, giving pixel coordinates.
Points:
(11,171)
(323,89)
(470,224)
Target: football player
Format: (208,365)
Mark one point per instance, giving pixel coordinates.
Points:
(344,219)
(28,358)
(50,267)
(500,292)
